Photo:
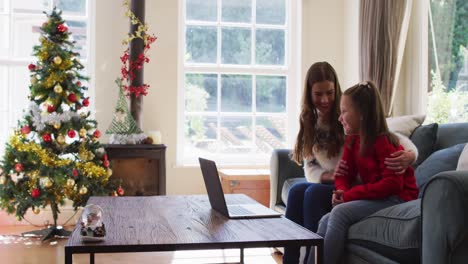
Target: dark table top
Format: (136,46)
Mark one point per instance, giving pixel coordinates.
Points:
(166,223)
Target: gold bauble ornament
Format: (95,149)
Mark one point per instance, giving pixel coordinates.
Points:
(47,183)
(109,172)
(57,60)
(58,88)
(83,190)
(70,182)
(61,139)
(33,80)
(2,179)
(36,210)
(82,132)
(41,38)
(57,125)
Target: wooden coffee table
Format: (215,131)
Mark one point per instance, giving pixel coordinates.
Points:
(169,223)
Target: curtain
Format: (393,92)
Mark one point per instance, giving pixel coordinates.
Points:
(383,26)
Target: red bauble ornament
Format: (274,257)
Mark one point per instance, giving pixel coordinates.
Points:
(35,193)
(31,67)
(46,138)
(106,163)
(50,108)
(19,167)
(25,130)
(72,97)
(62,28)
(78,83)
(75,173)
(105,157)
(120,191)
(85,102)
(71,133)
(97,134)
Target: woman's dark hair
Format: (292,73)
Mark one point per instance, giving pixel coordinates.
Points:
(365,97)
(307,136)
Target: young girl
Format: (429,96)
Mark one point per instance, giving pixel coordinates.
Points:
(367,144)
(320,144)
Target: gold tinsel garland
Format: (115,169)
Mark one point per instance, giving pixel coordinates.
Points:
(46,157)
(91,170)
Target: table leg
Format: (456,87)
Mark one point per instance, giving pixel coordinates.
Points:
(319,253)
(242,256)
(91,258)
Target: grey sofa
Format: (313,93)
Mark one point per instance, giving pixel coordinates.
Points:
(429,230)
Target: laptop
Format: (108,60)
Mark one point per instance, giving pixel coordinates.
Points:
(218,203)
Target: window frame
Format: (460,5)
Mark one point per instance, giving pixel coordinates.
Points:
(9,61)
(291,70)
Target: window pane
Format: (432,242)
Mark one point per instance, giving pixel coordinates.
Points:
(2,6)
(201,44)
(203,10)
(28,6)
(78,30)
(236,45)
(4,36)
(25,35)
(270,133)
(271,12)
(20,80)
(271,94)
(201,92)
(236,136)
(200,135)
(236,93)
(72,7)
(237,11)
(4,131)
(3,89)
(270,47)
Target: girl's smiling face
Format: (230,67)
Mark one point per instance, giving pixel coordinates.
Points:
(350,118)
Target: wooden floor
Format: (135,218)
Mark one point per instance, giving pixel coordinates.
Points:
(15,249)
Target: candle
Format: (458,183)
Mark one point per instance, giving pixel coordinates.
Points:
(156,136)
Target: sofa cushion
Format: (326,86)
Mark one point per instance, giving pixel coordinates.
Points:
(405,124)
(287,186)
(393,232)
(439,161)
(463,159)
(424,137)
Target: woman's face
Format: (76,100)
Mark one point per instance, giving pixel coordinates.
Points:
(323,96)
(349,117)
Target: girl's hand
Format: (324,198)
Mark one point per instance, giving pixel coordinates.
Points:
(400,160)
(341,168)
(337,197)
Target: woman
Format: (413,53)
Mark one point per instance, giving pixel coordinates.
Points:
(320,144)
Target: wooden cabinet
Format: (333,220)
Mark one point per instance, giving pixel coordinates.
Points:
(254,183)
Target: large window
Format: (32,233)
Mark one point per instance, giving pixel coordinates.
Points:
(448,61)
(237,77)
(19,32)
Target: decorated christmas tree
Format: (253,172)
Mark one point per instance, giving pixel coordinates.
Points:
(54,153)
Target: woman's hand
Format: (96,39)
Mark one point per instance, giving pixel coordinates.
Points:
(337,197)
(327,177)
(400,160)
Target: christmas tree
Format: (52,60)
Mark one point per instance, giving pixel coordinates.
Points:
(54,153)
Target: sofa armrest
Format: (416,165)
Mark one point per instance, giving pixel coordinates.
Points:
(281,169)
(444,218)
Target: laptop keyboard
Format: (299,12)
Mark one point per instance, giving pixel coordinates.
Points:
(239,210)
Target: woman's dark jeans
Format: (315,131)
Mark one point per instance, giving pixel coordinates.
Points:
(307,203)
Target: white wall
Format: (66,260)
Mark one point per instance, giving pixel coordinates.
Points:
(323,39)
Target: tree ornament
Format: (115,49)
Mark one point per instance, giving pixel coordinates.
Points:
(31,67)
(19,167)
(58,88)
(35,193)
(57,125)
(34,79)
(45,182)
(25,130)
(2,179)
(85,102)
(46,138)
(83,190)
(70,182)
(109,172)
(71,133)
(120,191)
(82,132)
(106,163)
(61,139)
(57,60)
(72,97)
(78,83)
(50,108)
(97,134)
(75,173)
(42,39)
(62,28)
(36,210)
